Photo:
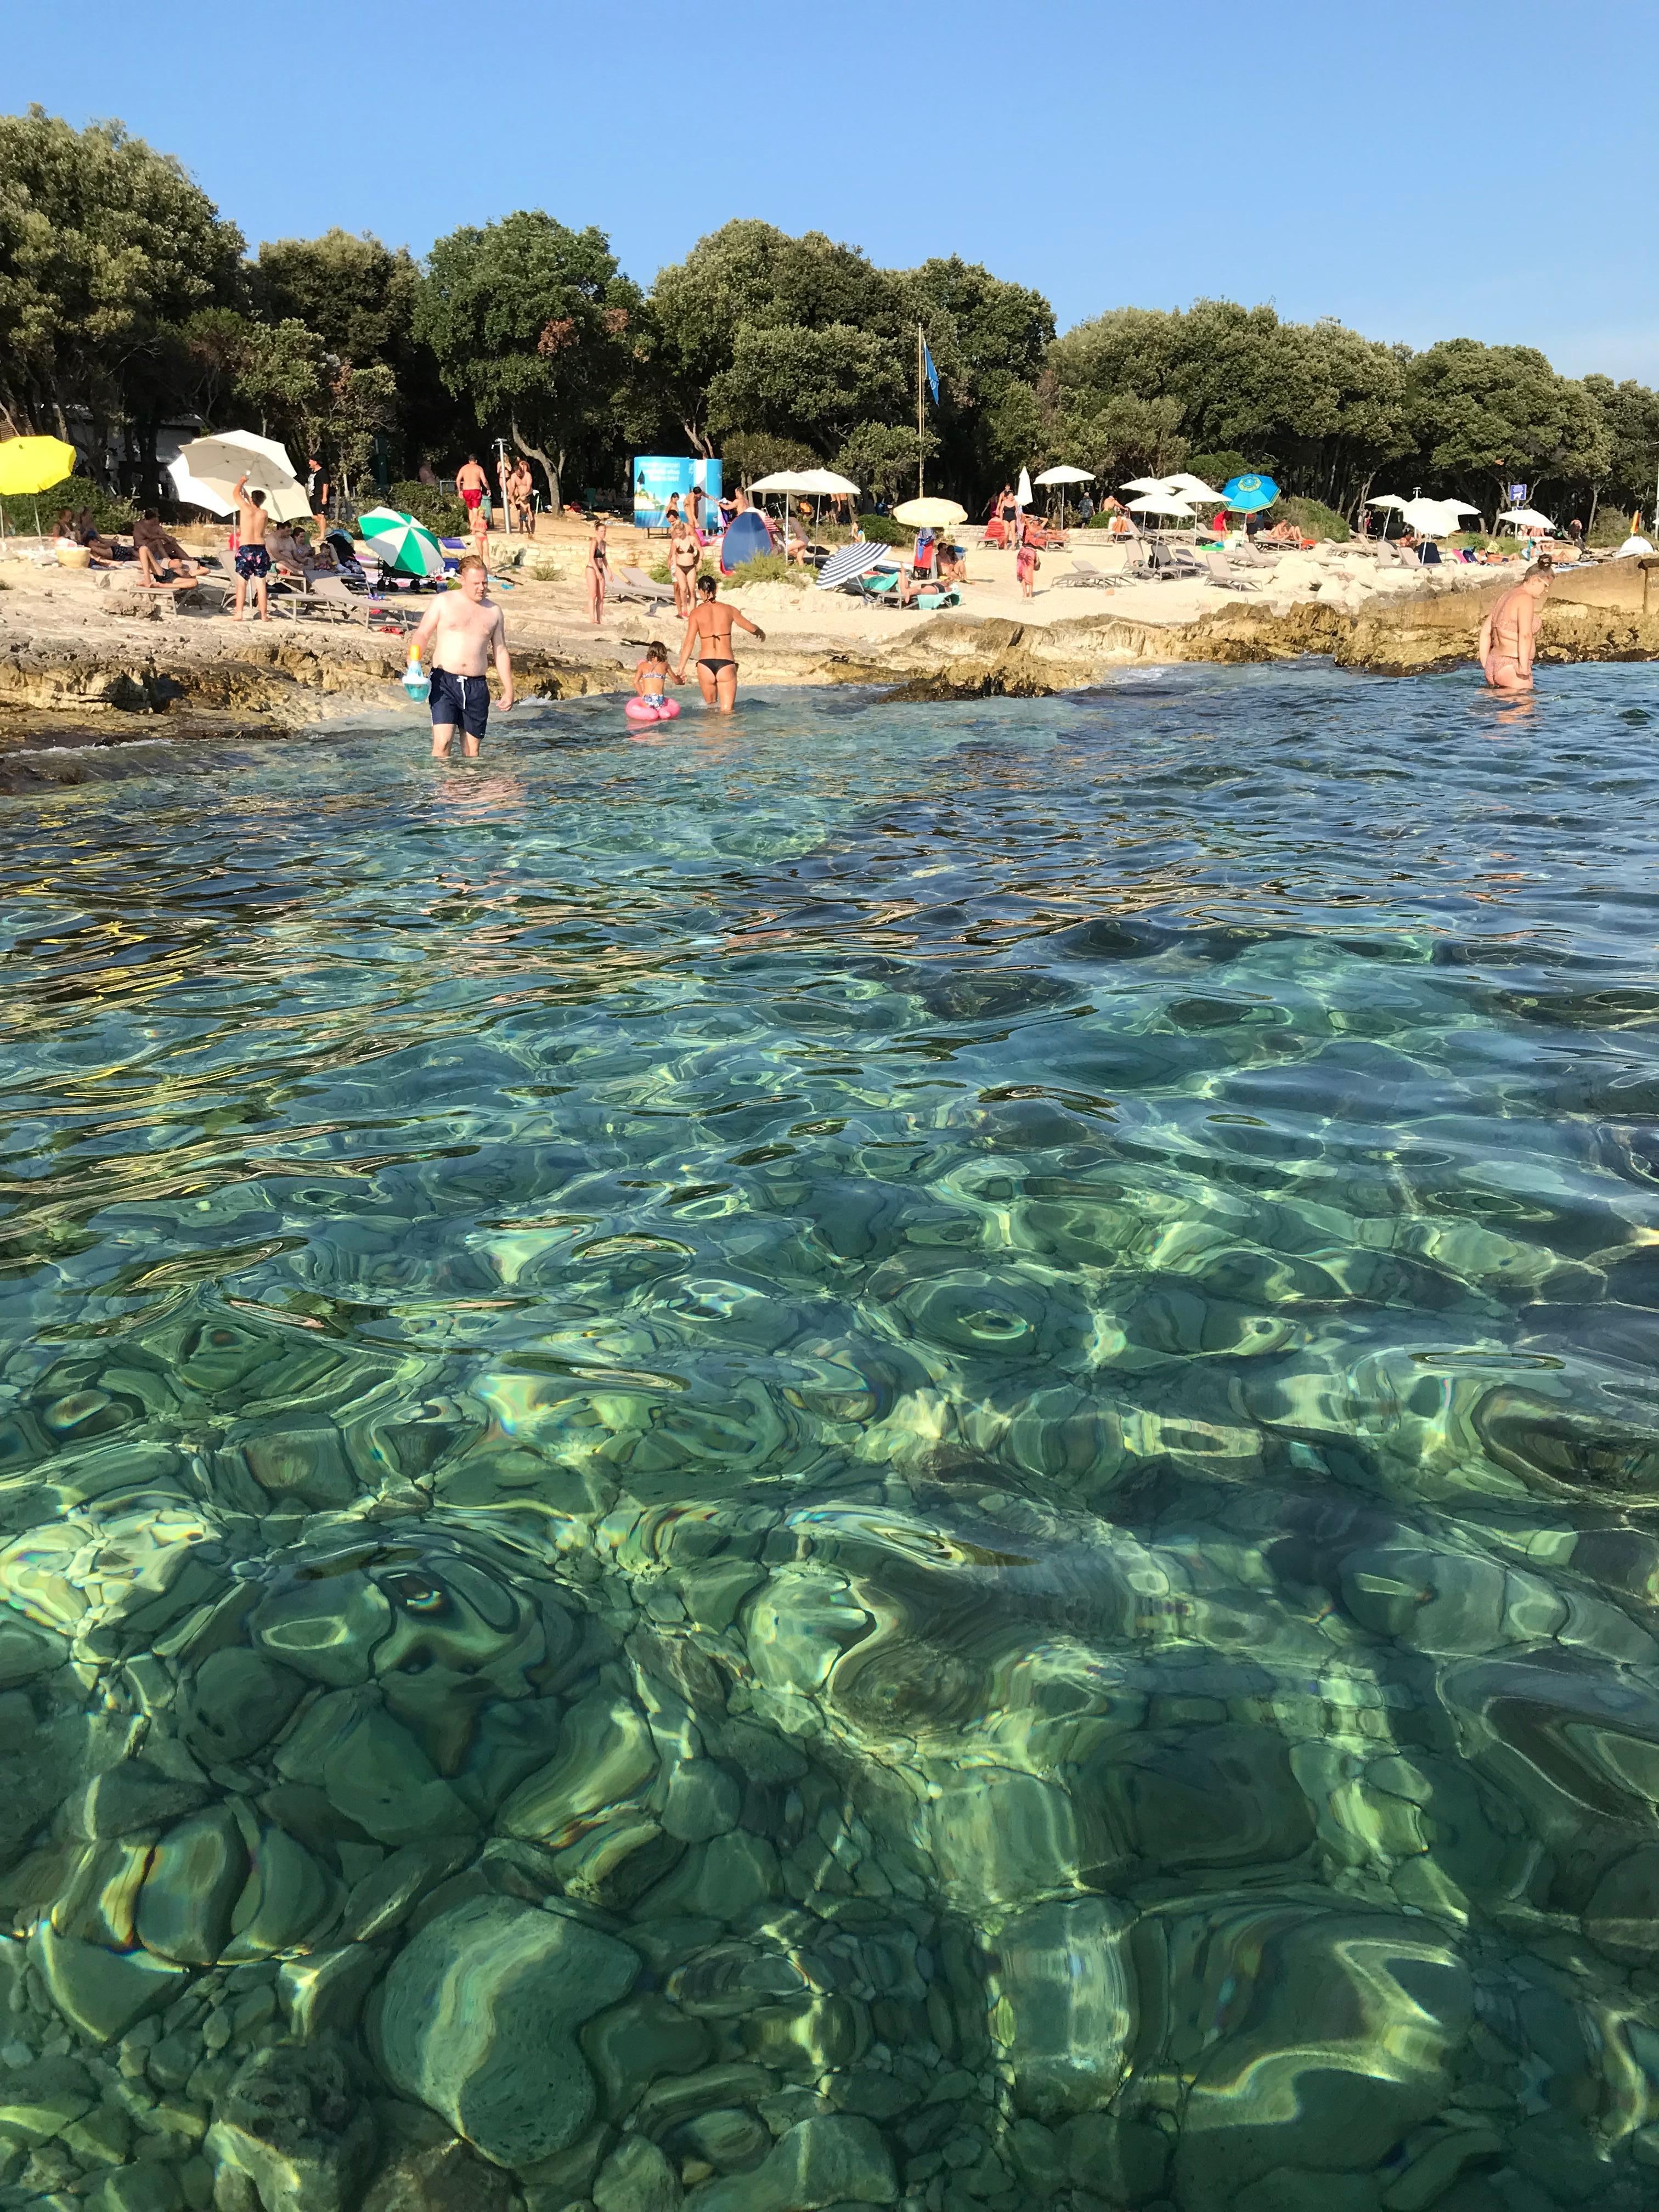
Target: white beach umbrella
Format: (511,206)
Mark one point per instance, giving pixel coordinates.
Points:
(1388,499)
(1022,497)
(1459,507)
(1524,519)
(188,493)
(1062,475)
(1161,502)
(1146,483)
(1429,517)
(217,463)
(1191,486)
(806,484)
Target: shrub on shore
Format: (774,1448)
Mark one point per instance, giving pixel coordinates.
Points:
(439,509)
(112,516)
(882,530)
(768,568)
(1315,520)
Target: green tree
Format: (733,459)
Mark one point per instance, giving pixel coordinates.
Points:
(1320,405)
(105,246)
(880,459)
(215,347)
(759,332)
(1629,416)
(989,340)
(1482,416)
(360,411)
(811,385)
(357,295)
(284,382)
(536,328)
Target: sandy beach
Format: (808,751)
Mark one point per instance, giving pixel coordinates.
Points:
(84,652)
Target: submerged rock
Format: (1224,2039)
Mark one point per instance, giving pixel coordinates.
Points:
(637,2178)
(834,2160)
(296,2125)
(478,2016)
(1065,2010)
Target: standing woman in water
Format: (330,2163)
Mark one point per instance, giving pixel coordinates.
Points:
(599,571)
(709,628)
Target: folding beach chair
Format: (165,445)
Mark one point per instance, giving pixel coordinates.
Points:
(633,586)
(1222,574)
(1086,574)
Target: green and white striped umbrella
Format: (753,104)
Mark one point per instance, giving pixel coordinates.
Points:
(401,542)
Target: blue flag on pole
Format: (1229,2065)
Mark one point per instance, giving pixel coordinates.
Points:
(931,372)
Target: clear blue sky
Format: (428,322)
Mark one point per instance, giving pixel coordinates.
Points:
(1421,169)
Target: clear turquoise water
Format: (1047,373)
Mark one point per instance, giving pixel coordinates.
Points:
(972,1386)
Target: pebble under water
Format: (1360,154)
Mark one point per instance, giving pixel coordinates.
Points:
(887,1456)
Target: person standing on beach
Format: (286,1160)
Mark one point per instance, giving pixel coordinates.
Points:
(683,555)
(521,492)
(252,562)
(465,632)
(709,628)
(1508,635)
(472,483)
(598,573)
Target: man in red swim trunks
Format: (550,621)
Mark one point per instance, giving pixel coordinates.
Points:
(472,483)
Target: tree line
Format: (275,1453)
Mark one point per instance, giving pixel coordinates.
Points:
(127,302)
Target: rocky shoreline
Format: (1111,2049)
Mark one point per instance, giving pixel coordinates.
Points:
(59,692)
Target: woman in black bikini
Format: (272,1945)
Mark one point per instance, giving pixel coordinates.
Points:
(598,573)
(709,627)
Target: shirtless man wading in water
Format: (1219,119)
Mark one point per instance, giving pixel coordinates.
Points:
(464,630)
(709,628)
(1504,647)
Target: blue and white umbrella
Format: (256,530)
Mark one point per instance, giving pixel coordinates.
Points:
(851,560)
(1250,495)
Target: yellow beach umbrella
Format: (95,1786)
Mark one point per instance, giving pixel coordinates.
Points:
(29,465)
(32,465)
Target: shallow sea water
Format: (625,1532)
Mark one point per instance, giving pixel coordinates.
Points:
(887,1454)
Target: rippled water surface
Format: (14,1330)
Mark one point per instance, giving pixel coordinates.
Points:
(890,1453)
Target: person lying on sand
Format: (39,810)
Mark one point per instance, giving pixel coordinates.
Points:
(1508,635)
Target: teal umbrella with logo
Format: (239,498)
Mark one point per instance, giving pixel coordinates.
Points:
(1249,494)
(399,541)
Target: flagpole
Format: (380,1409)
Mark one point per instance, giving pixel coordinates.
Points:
(921,430)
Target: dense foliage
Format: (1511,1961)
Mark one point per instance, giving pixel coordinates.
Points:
(126,301)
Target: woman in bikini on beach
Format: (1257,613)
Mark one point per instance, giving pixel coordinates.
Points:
(709,628)
(599,571)
(683,555)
